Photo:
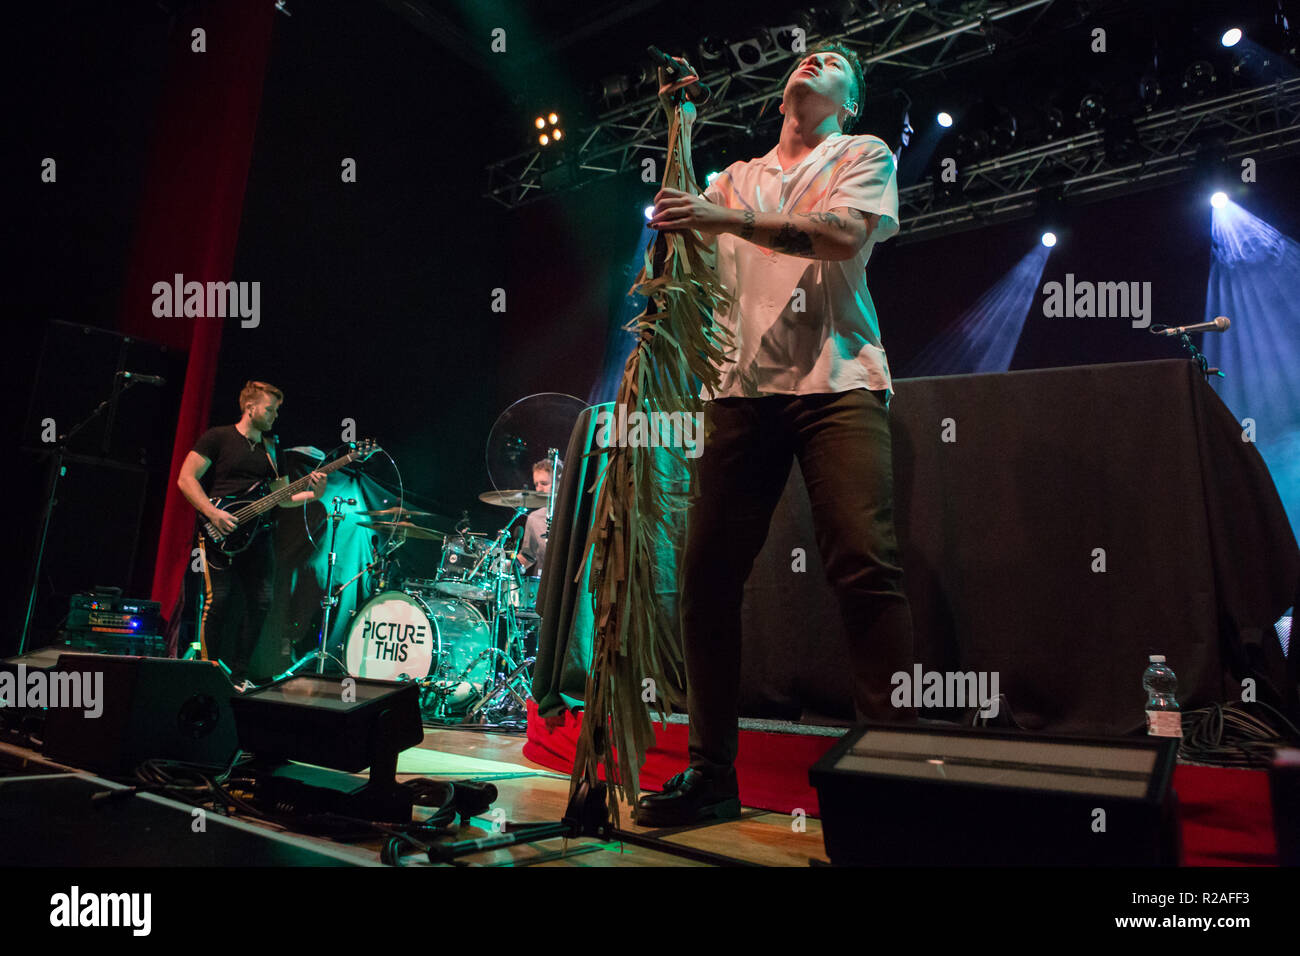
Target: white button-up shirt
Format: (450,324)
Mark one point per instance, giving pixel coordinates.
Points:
(805,326)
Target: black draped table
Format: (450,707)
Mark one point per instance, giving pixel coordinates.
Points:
(1058,526)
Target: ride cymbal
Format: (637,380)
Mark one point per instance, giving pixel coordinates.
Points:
(515,499)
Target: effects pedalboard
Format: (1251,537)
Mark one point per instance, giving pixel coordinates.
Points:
(104,622)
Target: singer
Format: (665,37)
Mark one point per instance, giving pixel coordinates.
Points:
(794,230)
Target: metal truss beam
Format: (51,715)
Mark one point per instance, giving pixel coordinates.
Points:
(1261,123)
(898,42)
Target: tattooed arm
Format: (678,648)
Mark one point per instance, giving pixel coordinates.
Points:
(836,234)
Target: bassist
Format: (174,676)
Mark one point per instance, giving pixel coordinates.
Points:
(228,460)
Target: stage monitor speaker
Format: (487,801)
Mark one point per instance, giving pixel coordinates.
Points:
(921,796)
(148,708)
(347,724)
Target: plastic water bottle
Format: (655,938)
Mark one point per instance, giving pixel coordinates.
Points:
(1164,717)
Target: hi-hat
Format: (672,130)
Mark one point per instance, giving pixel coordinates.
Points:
(515,499)
(396,511)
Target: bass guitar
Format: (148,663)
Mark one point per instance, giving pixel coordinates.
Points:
(251,509)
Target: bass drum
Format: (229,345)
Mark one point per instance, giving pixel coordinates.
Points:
(392,637)
(439,641)
(463,668)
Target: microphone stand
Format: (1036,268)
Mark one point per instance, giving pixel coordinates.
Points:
(1199,358)
(328,600)
(57,470)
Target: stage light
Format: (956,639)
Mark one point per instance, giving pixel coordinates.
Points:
(615,86)
(972,144)
(1091,109)
(1199,78)
(1053,121)
(709,178)
(711,49)
(1120,140)
(1219,200)
(551,134)
(1149,91)
(1231,37)
(944,120)
(1003,136)
(649,213)
(1049,239)
(748,54)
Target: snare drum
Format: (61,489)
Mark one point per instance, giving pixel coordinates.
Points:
(463,570)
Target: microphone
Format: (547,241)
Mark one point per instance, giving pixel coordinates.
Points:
(146,379)
(1218,325)
(697,92)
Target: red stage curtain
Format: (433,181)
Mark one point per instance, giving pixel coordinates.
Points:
(188,221)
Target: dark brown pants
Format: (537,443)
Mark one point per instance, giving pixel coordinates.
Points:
(843,444)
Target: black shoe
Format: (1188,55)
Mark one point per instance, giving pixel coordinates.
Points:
(690,797)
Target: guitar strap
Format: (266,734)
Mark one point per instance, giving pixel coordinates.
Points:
(272,452)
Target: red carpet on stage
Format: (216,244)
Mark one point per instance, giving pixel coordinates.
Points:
(1226,815)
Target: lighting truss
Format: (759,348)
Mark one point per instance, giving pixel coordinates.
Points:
(1261,123)
(895,41)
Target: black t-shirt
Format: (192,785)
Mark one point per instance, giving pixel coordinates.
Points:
(235,466)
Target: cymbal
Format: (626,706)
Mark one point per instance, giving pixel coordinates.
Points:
(396,511)
(410,530)
(514,499)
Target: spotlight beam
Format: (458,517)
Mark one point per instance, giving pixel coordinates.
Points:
(985,336)
(1254,270)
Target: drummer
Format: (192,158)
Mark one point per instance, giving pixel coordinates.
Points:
(532,549)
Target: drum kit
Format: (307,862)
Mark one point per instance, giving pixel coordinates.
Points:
(467,636)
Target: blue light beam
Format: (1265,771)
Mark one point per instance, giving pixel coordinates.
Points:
(986,335)
(1254,272)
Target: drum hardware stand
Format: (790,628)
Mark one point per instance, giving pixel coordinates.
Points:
(500,613)
(328,600)
(554,455)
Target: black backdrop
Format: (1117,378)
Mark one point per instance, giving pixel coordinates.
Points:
(999,530)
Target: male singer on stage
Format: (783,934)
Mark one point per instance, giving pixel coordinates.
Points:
(226,460)
(808,378)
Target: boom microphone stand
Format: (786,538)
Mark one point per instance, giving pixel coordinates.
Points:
(57,471)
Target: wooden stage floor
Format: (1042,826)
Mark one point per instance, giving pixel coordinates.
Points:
(531,793)
(537,794)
